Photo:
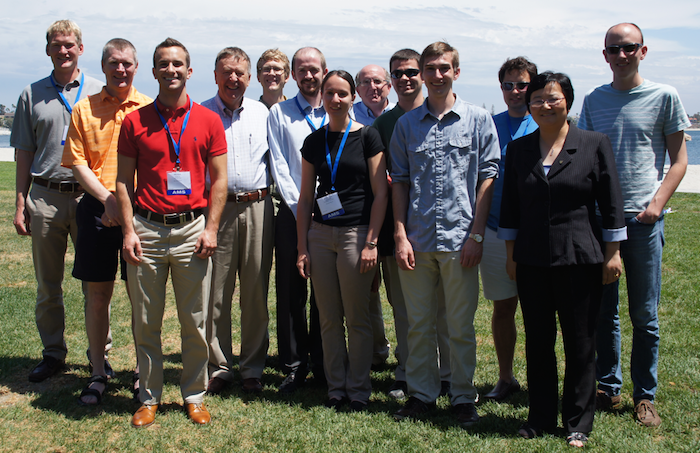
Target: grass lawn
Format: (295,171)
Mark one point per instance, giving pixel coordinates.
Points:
(46,416)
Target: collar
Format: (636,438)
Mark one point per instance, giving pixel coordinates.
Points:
(457,107)
(222,109)
(106,97)
(167,112)
(304,103)
(73,83)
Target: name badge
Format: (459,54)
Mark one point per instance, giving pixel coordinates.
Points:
(330,206)
(179,183)
(65,134)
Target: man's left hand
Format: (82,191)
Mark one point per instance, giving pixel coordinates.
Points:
(471,253)
(206,244)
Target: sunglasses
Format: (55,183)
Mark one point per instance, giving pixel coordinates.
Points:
(629,49)
(509,86)
(398,73)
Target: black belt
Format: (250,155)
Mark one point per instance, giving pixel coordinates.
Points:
(169,219)
(244,197)
(62,187)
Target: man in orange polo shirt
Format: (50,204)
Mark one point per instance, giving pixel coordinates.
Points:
(91,151)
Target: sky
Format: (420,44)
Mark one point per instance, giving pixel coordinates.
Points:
(566,38)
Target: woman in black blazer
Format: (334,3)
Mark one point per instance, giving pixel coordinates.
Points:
(558,251)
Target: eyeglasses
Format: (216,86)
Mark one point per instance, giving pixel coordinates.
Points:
(272,70)
(550,102)
(509,86)
(398,73)
(378,83)
(629,49)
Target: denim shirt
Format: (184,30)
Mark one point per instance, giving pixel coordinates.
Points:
(442,160)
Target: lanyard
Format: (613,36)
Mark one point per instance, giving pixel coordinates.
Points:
(63,98)
(510,127)
(308,120)
(334,167)
(182,132)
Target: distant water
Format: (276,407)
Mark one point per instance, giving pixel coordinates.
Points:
(692,145)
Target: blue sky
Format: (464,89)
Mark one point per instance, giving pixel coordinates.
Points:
(562,38)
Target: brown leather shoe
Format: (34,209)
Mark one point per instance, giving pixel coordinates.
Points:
(252,385)
(145,416)
(216,385)
(198,413)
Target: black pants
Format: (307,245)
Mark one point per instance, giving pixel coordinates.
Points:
(295,341)
(574,293)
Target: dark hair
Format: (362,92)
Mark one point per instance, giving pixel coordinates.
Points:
(345,75)
(542,80)
(405,55)
(519,64)
(170,42)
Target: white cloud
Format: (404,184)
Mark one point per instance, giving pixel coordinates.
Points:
(560,37)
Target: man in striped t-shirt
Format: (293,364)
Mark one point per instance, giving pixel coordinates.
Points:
(91,151)
(643,120)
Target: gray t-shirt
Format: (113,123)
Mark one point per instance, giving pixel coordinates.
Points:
(637,122)
(40,121)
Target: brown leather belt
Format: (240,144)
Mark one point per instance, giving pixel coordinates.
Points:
(62,187)
(169,219)
(244,197)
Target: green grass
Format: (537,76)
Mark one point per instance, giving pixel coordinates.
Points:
(46,416)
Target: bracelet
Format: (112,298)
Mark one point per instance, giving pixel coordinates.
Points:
(372,245)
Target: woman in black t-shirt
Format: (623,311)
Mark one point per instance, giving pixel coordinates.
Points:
(338,245)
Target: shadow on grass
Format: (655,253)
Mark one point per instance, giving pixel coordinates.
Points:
(59,394)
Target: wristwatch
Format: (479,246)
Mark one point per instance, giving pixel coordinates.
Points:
(477,237)
(371,245)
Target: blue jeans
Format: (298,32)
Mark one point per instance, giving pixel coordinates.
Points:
(641,255)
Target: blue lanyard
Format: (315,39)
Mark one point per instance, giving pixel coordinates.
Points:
(308,120)
(63,98)
(334,167)
(182,132)
(510,127)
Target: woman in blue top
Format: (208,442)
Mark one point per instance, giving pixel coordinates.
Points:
(337,245)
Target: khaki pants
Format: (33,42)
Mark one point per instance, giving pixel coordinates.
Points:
(52,217)
(461,286)
(343,300)
(169,249)
(244,248)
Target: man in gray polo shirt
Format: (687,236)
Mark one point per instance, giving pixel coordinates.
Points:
(48,210)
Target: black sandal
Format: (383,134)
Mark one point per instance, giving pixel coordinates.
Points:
(89,391)
(135,390)
(577,436)
(527,431)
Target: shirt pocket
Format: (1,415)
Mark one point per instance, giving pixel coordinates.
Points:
(460,152)
(418,156)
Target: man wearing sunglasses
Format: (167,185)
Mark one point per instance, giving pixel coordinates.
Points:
(643,120)
(406,80)
(373,88)
(514,76)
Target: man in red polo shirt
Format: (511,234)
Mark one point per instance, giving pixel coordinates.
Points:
(169,146)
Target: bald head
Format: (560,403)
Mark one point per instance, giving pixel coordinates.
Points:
(373,86)
(626,29)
